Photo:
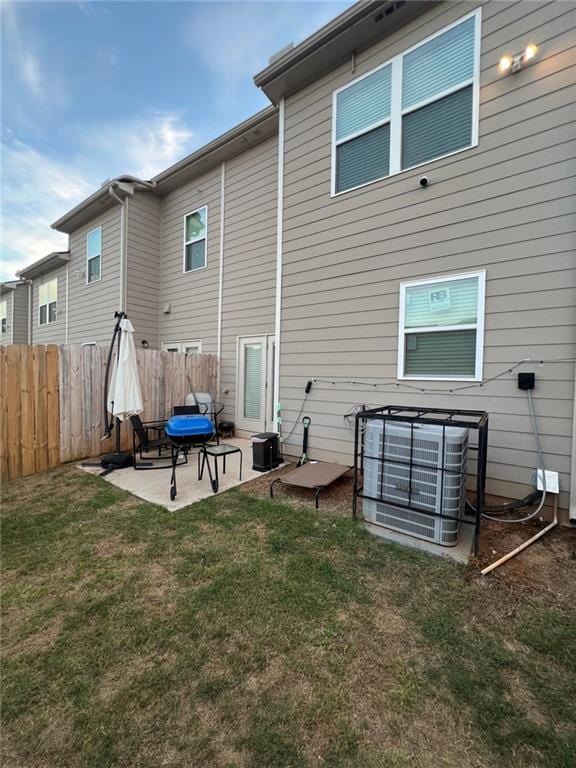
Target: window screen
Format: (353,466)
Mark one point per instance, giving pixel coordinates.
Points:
(195,230)
(439,336)
(94,255)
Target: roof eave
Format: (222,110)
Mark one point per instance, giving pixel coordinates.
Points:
(353,30)
(44,265)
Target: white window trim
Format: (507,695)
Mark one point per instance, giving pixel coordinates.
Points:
(397,113)
(47,304)
(88,259)
(4,314)
(192,343)
(182,344)
(195,240)
(478,326)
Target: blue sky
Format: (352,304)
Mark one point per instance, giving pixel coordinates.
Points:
(91,90)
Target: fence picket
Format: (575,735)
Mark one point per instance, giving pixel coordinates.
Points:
(51,401)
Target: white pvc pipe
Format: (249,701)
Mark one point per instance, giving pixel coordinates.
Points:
(526,544)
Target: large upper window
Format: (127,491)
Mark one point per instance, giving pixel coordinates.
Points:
(417,107)
(195,232)
(3,316)
(441,328)
(47,298)
(94,255)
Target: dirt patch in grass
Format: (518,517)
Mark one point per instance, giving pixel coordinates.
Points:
(547,567)
(117,547)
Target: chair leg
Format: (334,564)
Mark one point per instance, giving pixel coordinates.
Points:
(224,465)
(240,478)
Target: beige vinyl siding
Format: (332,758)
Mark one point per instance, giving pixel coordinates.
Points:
(92,307)
(193,296)
(50,333)
(506,206)
(249,256)
(20,315)
(142,270)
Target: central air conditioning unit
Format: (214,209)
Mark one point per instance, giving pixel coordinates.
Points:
(415,473)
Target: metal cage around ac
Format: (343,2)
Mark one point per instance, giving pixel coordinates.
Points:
(411,467)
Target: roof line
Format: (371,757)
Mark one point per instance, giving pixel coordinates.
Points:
(316,40)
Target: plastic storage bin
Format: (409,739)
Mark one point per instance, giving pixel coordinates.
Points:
(265,451)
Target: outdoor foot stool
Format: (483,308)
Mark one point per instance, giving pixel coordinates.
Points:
(224,449)
(315,475)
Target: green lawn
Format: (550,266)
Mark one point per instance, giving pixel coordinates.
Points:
(241,632)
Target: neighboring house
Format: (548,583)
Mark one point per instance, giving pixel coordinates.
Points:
(14,299)
(402,217)
(48,280)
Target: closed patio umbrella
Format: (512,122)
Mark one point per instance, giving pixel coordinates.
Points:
(125,395)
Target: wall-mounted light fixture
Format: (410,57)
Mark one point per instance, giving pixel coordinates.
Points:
(508,64)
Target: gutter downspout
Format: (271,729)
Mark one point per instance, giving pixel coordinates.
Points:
(279,236)
(122,202)
(128,184)
(30,298)
(221,278)
(66,305)
(12,319)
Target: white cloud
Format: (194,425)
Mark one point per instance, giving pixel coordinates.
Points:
(30,72)
(142,146)
(37,189)
(41,80)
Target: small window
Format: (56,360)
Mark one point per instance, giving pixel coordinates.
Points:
(3,317)
(192,347)
(442,328)
(94,255)
(187,347)
(195,232)
(47,300)
(417,107)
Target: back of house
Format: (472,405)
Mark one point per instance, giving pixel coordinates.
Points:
(397,228)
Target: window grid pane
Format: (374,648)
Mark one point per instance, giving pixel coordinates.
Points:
(195,255)
(440,353)
(196,225)
(438,128)
(94,243)
(364,103)
(94,269)
(450,302)
(43,314)
(438,65)
(363,159)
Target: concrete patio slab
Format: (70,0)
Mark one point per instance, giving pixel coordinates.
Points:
(154,485)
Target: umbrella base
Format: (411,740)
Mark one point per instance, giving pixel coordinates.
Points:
(111,461)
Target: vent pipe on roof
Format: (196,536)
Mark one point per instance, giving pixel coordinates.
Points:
(282,52)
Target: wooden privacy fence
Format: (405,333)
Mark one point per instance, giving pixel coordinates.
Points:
(51,400)
(29,410)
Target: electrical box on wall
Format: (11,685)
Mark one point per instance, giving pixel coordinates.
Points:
(526,380)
